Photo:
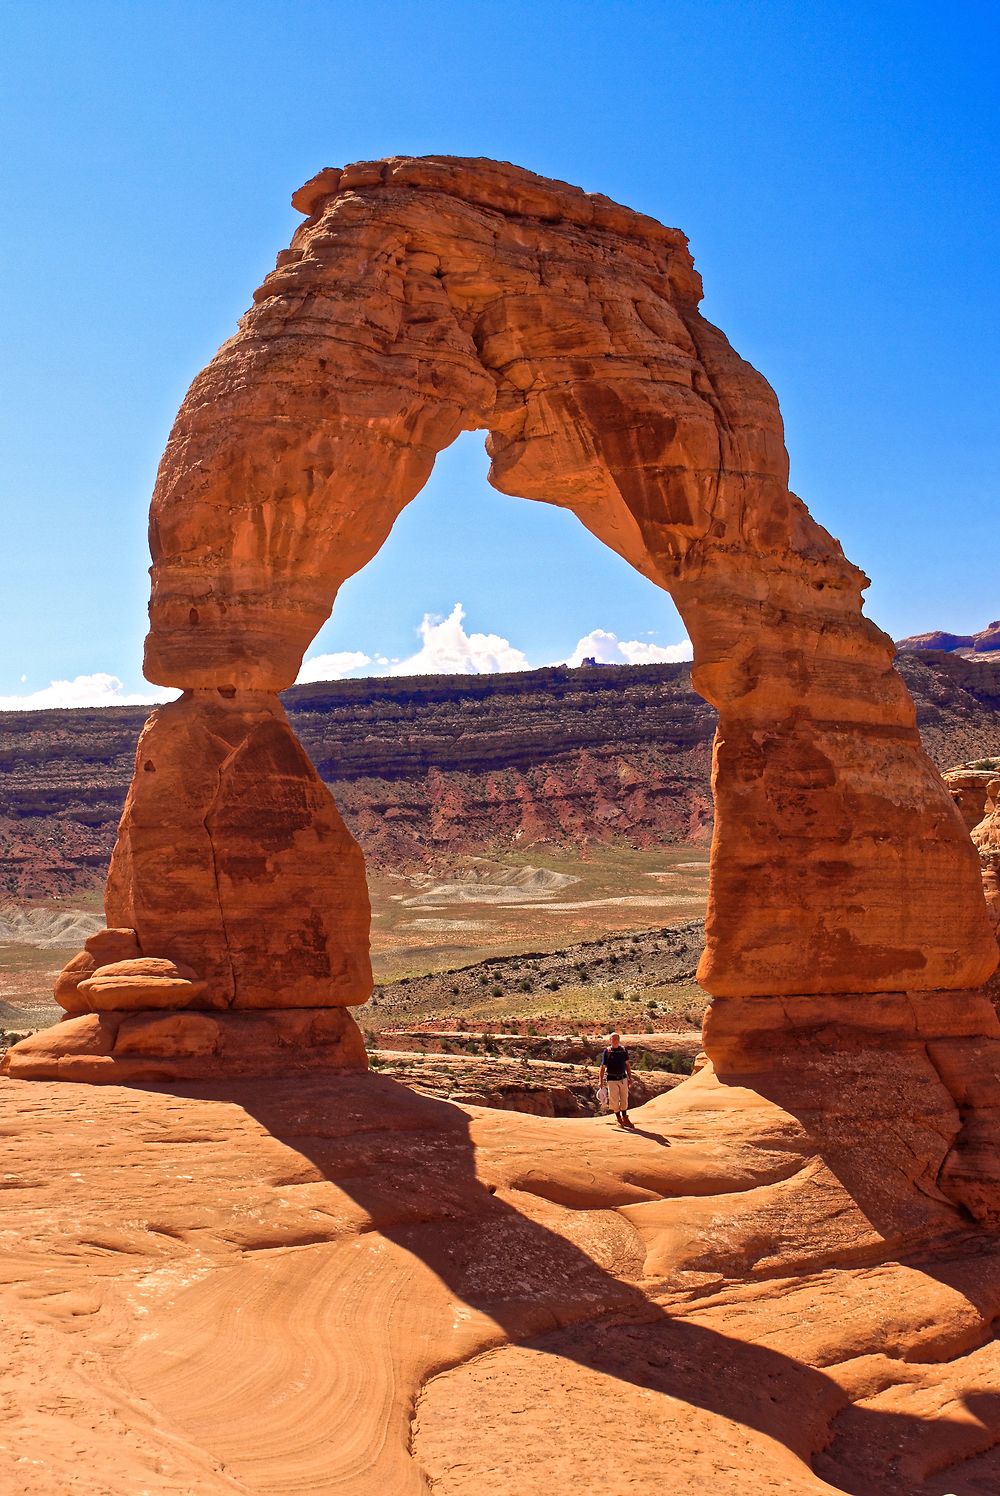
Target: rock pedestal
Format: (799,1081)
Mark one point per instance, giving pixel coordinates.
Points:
(421,298)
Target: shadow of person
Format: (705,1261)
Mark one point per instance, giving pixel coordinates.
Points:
(654,1137)
(534,1269)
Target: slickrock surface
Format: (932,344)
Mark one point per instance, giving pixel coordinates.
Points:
(334,1284)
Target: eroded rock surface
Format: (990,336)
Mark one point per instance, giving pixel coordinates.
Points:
(986,836)
(336,1285)
(233,857)
(424,297)
(420,298)
(983,645)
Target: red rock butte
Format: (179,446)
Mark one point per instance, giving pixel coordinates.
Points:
(786,1279)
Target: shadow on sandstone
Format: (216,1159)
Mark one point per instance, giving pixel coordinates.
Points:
(410,1163)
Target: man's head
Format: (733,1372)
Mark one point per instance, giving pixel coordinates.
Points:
(616,1039)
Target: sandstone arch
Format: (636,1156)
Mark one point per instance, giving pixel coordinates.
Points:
(421,298)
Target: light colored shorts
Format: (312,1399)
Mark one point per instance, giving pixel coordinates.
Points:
(617,1095)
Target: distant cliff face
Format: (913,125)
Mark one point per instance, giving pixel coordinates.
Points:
(434,767)
(971,646)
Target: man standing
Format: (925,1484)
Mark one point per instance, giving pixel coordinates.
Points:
(616,1070)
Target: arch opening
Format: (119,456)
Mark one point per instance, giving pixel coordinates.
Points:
(528,573)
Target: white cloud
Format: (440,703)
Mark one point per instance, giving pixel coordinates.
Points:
(448,650)
(607,649)
(99,689)
(332,666)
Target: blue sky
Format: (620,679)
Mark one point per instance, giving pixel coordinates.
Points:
(834,166)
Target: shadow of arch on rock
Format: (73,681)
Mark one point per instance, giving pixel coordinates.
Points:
(428,1191)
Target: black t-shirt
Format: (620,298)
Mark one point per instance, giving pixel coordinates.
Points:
(614,1061)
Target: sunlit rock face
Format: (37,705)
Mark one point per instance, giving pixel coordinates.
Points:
(986,836)
(421,298)
(232,856)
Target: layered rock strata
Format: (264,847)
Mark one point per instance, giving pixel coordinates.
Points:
(420,298)
(428,768)
(984,644)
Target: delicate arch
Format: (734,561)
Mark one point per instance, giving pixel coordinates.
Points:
(423,297)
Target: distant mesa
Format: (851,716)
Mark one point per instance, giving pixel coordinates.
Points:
(970,646)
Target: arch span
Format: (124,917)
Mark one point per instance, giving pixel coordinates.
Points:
(421,298)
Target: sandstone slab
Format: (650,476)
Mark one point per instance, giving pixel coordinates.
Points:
(114,1047)
(333,1284)
(144,982)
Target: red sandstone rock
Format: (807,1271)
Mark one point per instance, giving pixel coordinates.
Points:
(119,1048)
(426,297)
(986,837)
(99,949)
(66,989)
(107,946)
(969,788)
(233,857)
(972,646)
(147,982)
(741,1296)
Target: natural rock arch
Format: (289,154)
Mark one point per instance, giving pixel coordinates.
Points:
(421,298)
